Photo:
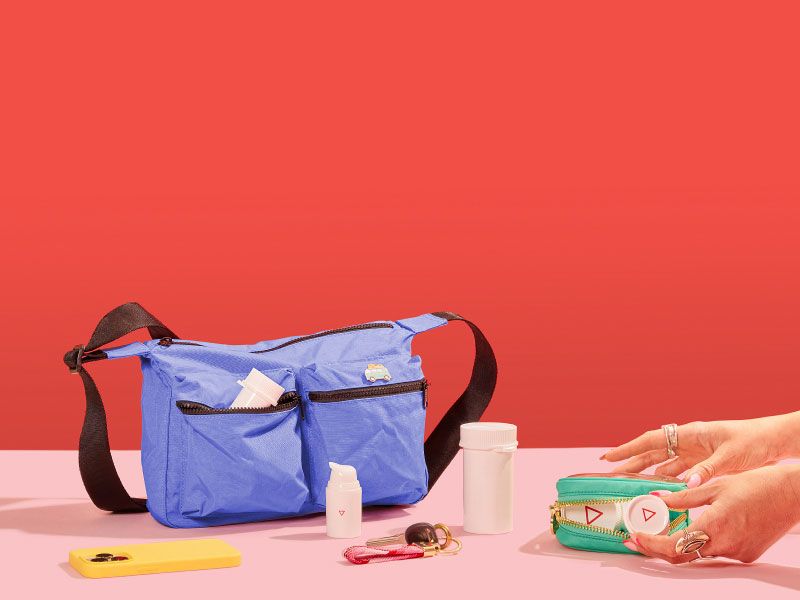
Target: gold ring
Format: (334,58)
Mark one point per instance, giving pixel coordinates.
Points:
(671,434)
(448,537)
(455,550)
(691,542)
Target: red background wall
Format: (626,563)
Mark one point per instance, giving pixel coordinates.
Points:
(609,189)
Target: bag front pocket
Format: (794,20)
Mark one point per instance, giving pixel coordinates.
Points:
(380,431)
(243,461)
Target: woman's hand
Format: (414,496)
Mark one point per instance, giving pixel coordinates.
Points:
(748,513)
(715,448)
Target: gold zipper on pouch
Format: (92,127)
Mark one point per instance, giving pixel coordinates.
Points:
(557,518)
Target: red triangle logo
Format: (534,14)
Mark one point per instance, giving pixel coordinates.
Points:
(596,516)
(648,514)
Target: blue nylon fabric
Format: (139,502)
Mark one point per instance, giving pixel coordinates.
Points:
(215,469)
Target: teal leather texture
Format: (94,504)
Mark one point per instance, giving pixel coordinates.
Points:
(593,487)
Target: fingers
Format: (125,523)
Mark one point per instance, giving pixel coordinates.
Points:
(716,464)
(652,440)
(642,461)
(690,498)
(659,546)
(672,468)
(663,546)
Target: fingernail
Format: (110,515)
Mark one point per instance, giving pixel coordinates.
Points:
(660,493)
(634,540)
(630,546)
(694,481)
(603,457)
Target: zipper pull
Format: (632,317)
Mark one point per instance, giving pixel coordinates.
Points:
(425,387)
(165,341)
(555,515)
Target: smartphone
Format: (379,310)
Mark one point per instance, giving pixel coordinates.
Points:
(158,557)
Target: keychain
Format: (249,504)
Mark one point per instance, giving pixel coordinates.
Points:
(418,533)
(421,541)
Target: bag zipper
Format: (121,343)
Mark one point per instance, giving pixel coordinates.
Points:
(312,336)
(286,402)
(557,519)
(167,342)
(391,389)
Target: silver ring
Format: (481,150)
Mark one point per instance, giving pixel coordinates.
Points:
(671,434)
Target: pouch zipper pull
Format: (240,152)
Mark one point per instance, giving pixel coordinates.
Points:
(165,342)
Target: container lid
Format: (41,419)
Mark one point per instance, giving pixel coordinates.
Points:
(646,514)
(489,436)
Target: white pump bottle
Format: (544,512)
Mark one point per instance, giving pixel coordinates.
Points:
(343,502)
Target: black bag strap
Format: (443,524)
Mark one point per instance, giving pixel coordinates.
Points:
(97,468)
(442,444)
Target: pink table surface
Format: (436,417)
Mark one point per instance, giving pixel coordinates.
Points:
(44,512)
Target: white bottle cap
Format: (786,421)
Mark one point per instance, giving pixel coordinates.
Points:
(501,437)
(259,391)
(646,514)
(343,476)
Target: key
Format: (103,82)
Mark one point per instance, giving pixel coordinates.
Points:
(418,533)
(362,555)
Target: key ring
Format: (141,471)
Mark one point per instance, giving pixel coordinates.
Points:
(448,537)
(452,551)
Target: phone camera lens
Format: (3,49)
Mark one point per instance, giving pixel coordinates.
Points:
(104,555)
(120,558)
(99,559)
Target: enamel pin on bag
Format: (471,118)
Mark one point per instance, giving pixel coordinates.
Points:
(354,395)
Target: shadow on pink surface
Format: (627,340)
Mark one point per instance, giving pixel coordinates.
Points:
(545,544)
(79,517)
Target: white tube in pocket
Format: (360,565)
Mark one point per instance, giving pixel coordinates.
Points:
(258,391)
(488,476)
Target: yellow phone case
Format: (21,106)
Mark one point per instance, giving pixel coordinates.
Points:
(158,557)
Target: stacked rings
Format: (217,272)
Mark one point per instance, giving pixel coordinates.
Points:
(671,433)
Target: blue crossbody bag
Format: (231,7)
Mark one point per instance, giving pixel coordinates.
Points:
(354,395)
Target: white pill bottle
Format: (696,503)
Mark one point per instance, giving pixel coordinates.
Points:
(488,476)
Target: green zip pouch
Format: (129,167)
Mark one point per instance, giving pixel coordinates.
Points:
(587,513)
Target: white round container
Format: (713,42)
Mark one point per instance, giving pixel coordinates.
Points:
(646,514)
(488,476)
